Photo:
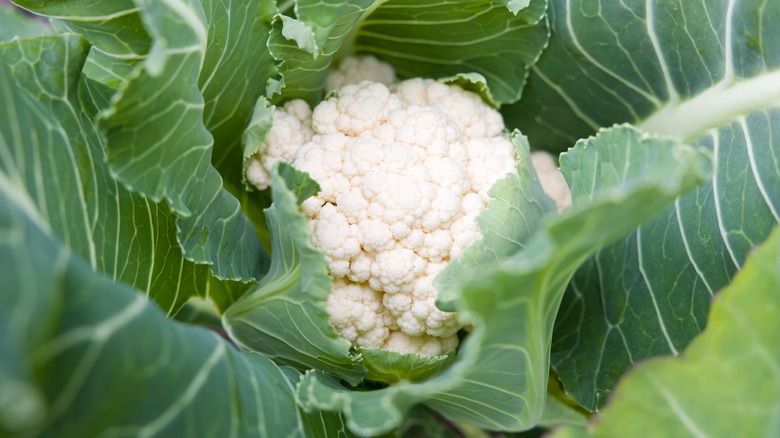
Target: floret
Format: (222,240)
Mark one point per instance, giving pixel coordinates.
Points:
(356,69)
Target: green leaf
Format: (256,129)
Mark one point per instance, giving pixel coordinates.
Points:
(51,153)
(433,39)
(304,46)
(391,367)
(556,413)
(301,185)
(420,39)
(707,73)
(424,423)
(158,145)
(726,383)
(236,67)
(13,23)
(114,27)
(474,82)
(259,125)
(513,304)
(253,136)
(108,70)
(568,432)
(200,312)
(84,356)
(516,211)
(676,68)
(317,423)
(284,316)
(650,293)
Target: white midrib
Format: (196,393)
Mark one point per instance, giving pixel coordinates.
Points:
(722,103)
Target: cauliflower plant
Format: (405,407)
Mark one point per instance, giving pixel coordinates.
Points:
(404,170)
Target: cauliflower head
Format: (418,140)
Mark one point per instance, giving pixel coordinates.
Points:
(404,171)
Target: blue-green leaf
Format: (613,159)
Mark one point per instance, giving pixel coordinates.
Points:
(51,152)
(85,356)
(726,383)
(13,23)
(707,73)
(420,39)
(305,45)
(114,27)
(159,146)
(434,39)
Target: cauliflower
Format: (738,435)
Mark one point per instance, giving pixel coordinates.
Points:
(354,69)
(403,171)
(291,128)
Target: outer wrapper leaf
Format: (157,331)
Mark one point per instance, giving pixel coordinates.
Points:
(236,67)
(317,423)
(435,39)
(235,70)
(513,303)
(51,152)
(284,317)
(216,47)
(726,383)
(114,27)
(158,145)
(391,367)
(557,414)
(84,356)
(13,23)
(305,46)
(498,42)
(707,73)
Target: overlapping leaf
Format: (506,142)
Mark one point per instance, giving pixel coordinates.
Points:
(391,367)
(219,47)
(158,144)
(678,67)
(13,23)
(305,45)
(284,316)
(434,39)
(499,42)
(517,210)
(114,27)
(705,72)
(557,414)
(513,304)
(650,293)
(236,68)
(51,153)
(85,356)
(727,382)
